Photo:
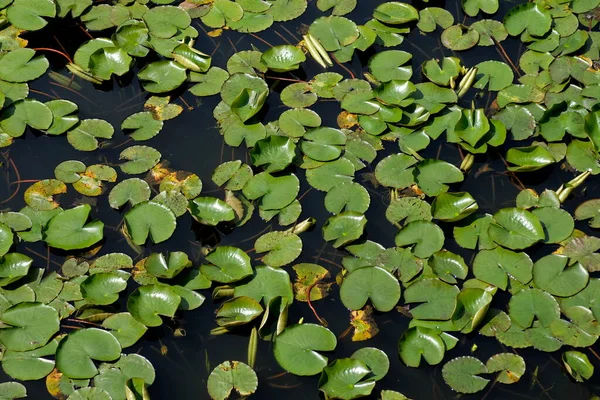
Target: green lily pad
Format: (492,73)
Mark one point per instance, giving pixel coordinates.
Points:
(334,32)
(390,64)
(431,17)
(283,58)
(274,192)
(448,266)
(84,136)
(210,210)
(166,21)
(551,274)
(558,224)
(347,197)
(149,219)
(294,122)
(296,348)
(459,38)
(12,390)
(21,65)
(344,228)
(438,298)
(420,342)
(497,265)
(533,303)
(238,311)
(231,375)
(268,283)
(28,326)
(453,207)
(394,13)
(472,7)
(162,76)
(396,171)
(142,125)
(515,228)
(282,248)
(530,17)
(147,303)
(102,288)
(69,230)
(139,159)
(228,264)
(373,283)
(462,374)
(433,176)
(578,365)
(125,328)
(426,237)
(23,113)
(132,190)
(343,379)
(589,210)
(274,152)
(510,367)
(29,365)
(76,352)
(286,10)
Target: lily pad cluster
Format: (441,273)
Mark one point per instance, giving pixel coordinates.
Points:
(531,278)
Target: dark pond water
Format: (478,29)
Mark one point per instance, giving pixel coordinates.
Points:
(191,142)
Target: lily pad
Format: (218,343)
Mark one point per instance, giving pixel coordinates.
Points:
(76,352)
(147,303)
(149,219)
(231,375)
(373,283)
(228,264)
(296,348)
(462,374)
(69,230)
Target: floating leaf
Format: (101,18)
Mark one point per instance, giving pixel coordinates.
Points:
(551,274)
(210,210)
(84,136)
(132,190)
(149,219)
(282,248)
(21,65)
(342,379)
(530,17)
(231,375)
(228,264)
(283,58)
(395,13)
(28,326)
(147,303)
(373,283)
(461,374)
(139,159)
(426,237)
(76,352)
(274,152)
(495,266)
(29,365)
(516,228)
(578,365)
(453,207)
(533,303)
(296,348)
(68,230)
(125,328)
(344,228)
(420,342)
(439,299)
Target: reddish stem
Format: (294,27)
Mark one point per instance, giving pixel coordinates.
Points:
(65,55)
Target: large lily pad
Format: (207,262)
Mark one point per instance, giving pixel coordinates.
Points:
(296,348)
